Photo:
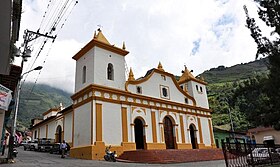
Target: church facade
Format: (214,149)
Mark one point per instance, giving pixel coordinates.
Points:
(153,112)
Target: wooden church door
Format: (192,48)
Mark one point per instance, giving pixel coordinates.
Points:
(168,133)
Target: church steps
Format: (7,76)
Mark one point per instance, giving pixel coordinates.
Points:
(171,156)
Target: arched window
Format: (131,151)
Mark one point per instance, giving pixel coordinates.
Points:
(110,72)
(84,74)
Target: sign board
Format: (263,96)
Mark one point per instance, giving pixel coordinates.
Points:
(5,97)
(268,138)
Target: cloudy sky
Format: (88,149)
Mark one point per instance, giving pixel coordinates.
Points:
(200,34)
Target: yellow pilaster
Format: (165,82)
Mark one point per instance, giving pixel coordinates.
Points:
(98,122)
(211,133)
(154,130)
(124,125)
(182,129)
(200,131)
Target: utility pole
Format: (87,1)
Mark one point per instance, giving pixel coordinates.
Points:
(28,37)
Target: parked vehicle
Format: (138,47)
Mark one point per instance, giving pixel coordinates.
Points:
(109,155)
(56,148)
(44,144)
(24,142)
(261,155)
(30,145)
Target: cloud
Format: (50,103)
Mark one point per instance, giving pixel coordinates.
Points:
(160,30)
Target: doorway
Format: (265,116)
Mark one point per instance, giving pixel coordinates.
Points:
(139,133)
(193,136)
(168,133)
(58,135)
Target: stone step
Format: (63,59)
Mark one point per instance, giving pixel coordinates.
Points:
(171,155)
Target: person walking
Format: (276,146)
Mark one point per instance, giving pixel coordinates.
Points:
(63,147)
(4,143)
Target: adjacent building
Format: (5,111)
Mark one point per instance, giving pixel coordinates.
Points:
(152,112)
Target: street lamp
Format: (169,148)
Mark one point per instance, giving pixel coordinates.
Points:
(13,129)
(231,122)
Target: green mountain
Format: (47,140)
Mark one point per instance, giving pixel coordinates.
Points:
(222,81)
(237,72)
(37,99)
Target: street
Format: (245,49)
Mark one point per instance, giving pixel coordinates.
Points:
(41,159)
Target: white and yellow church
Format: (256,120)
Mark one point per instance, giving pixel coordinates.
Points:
(153,112)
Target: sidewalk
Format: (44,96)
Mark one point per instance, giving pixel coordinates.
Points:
(4,158)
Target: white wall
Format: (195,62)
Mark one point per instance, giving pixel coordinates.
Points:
(112,123)
(42,131)
(51,130)
(205,131)
(68,127)
(101,59)
(152,87)
(96,61)
(85,60)
(82,125)
(200,97)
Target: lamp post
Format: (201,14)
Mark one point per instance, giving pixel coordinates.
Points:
(231,122)
(13,128)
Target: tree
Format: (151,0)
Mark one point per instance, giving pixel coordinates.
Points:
(269,12)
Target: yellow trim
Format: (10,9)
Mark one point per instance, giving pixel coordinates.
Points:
(200,131)
(162,134)
(63,124)
(100,44)
(124,125)
(100,37)
(156,146)
(98,117)
(211,132)
(184,146)
(201,146)
(187,76)
(127,146)
(91,123)
(182,129)
(90,152)
(136,82)
(154,130)
(73,126)
(127,95)
(161,93)
(142,108)
(177,135)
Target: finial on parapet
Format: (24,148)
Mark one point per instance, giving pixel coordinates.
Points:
(160,67)
(131,75)
(123,46)
(94,36)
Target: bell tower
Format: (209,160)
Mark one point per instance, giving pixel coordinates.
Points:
(100,63)
(195,87)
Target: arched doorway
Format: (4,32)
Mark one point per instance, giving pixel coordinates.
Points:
(168,133)
(193,136)
(139,133)
(58,134)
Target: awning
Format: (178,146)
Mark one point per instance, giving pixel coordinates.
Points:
(5,97)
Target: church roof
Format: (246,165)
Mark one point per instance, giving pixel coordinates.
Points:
(100,40)
(100,37)
(187,76)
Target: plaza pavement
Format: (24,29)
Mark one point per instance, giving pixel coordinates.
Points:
(40,159)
